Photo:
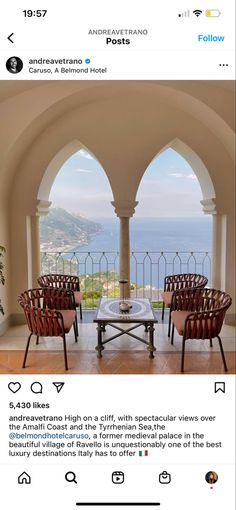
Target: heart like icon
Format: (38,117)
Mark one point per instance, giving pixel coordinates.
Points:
(14,386)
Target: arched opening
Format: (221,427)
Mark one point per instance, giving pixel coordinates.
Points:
(169,233)
(78,228)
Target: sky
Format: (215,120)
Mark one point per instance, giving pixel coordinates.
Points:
(169,188)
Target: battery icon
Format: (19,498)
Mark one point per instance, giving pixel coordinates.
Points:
(212,13)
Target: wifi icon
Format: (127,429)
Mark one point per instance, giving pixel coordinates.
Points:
(197,12)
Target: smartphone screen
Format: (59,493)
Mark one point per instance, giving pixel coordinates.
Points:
(117,262)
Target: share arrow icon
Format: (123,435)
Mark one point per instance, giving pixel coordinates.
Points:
(58,386)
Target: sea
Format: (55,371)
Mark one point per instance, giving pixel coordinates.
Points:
(185,243)
(156,234)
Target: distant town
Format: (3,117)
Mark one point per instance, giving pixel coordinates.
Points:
(64,231)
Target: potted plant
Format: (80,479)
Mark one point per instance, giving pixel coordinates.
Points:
(2,278)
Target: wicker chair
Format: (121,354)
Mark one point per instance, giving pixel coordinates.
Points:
(64,281)
(176,282)
(199,314)
(48,312)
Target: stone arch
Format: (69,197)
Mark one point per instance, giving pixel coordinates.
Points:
(38,203)
(197,165)
(52,170)
(207,187)
(54,166)
(222,217)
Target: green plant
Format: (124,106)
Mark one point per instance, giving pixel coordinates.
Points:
(157,304)
(91,295)
(2,278)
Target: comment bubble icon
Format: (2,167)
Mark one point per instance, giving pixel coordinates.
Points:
(36,387)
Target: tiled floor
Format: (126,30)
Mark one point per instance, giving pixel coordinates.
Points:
(86,362)
(15,339)
(123,355)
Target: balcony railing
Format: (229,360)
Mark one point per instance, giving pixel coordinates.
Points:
(99,271)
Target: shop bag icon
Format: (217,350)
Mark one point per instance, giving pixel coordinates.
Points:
(164,477)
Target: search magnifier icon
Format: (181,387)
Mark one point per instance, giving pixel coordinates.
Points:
(70,476)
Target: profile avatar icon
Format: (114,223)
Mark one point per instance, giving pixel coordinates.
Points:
(14,65)
(211,477)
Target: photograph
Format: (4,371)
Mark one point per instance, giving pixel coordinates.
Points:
(14,65)
(117,226)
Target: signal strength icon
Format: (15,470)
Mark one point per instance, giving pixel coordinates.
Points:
(197,12)
(184,14)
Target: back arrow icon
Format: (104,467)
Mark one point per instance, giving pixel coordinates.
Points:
(9,38)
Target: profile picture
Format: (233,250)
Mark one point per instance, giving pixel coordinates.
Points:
(14,65)
(211,477)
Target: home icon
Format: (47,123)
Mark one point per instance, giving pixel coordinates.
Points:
(24,478)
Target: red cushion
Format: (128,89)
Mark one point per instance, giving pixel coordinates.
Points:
(167,296)
(204,328)
(178,318)
(68,318)
(78,297)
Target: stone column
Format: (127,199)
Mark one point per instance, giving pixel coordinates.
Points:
(218,252)
(209,207)
(124,250)
(125,210)
(229,261)
(223,246)
(42,210)
(35,250)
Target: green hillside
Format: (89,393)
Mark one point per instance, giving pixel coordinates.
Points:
(62,231)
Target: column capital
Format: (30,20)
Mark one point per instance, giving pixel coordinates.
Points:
(43,207)
(209,206)
(124,208)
